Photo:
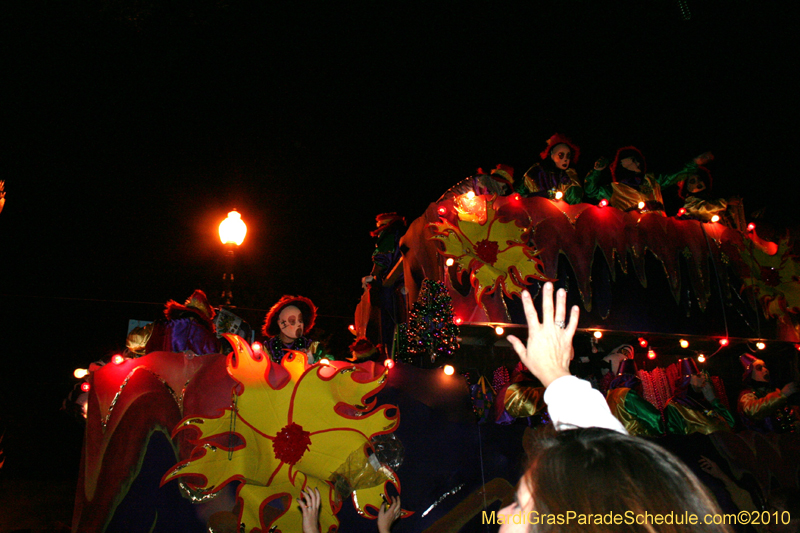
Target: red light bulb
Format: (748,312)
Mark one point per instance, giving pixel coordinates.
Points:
(458,321)
(442,210)
(516,197)
(724,342)
(389,363)
(117,359)
(651,354)
(751,226)
(642,342)
(85,386)
(257,346)
(603,203)
(681,211)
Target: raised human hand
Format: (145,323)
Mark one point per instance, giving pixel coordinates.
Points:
(549,349)
(601,163)
(309,501)
(711,468)
(790,388)
(388,514)
(704,158)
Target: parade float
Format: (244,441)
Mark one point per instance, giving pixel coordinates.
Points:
(184,442)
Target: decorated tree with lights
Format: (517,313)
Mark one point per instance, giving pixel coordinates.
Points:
(430,329)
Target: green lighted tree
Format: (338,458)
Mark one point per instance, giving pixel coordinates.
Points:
(430,329)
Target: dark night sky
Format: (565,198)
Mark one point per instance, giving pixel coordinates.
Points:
(132,127)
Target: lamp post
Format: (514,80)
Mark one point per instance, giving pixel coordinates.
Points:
(231,232)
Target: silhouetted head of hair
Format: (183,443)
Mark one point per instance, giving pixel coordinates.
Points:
(594,471)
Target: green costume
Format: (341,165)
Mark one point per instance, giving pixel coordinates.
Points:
(544,179)
(683,419)
(639,416)
(627,195)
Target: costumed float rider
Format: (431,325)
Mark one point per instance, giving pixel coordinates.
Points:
(609,367)
(498,182)
(625,399)
(631,184)
(698,202)
(285,326)
(694,407)
(554,173)
(186,328)
(763,407)
(386,276)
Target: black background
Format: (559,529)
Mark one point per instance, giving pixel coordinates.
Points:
(133,127)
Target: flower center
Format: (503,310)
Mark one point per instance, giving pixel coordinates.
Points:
(291,443)
(487,251)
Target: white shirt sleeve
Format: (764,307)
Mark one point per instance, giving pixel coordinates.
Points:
(573,403)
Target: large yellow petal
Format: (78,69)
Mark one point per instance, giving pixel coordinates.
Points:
(317,401)
(254,461)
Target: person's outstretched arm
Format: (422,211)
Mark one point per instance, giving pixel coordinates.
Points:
(572,402)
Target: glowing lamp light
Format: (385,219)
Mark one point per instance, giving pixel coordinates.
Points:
(761,345)
(442,210)
(516,197)
(559,195)
(724,342)
(389,363)
(80,373)
(751,226)
(701,358)
(681,211)
(458,321)
(232,230)
(684,343)
(324,361)
(642,342)
(715,218)
(603,203)
(117,359)
(499,330)
(85,386)
(797,347)
(651,354)
(351,328)
(449,370)
(450,261)
(640,205)
(257,346)
(598,334)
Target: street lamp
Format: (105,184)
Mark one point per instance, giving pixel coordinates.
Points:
(231,232)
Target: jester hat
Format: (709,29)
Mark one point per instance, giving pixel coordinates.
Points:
(747,361)
(557,139)
(688,367)
(624,153)
(197,304)
(306,306)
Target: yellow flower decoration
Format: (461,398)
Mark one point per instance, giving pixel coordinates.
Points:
(775,279)
(291,426)
(494,253)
